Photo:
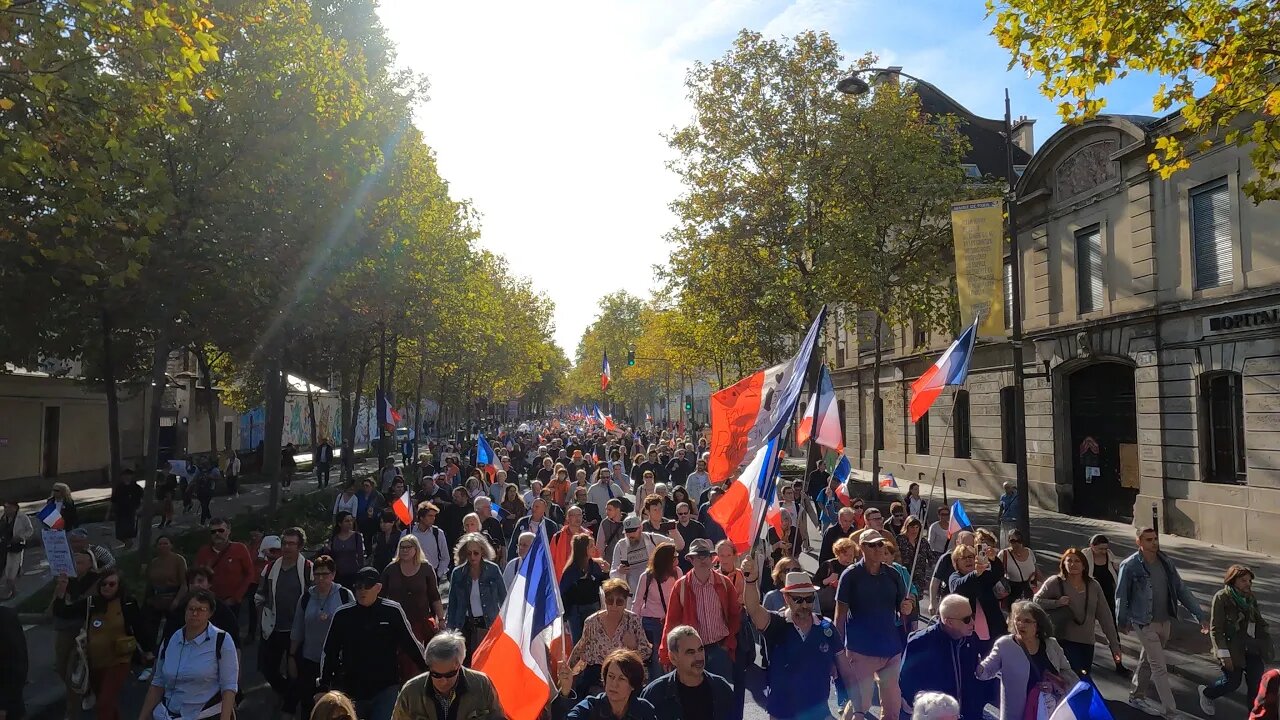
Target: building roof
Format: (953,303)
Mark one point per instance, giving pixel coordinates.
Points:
(986,136)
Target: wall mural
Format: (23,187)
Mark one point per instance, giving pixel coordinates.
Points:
(297,426)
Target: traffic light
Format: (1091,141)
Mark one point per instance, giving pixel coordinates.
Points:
(631,357)
(688,403)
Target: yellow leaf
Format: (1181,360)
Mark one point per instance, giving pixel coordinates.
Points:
(6,104)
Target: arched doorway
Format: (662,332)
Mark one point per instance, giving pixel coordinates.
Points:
(1103,417)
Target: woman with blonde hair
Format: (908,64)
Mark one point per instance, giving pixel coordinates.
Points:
(333,705)
(476,590)
(60,499)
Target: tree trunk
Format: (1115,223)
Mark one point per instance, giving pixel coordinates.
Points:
(344,414)
(877,421)
(311,420)
(113,399)
(159,363)
(349,433)
(206,373)
(417,413)
(273,433)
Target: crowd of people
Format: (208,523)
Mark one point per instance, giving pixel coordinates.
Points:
(667,620)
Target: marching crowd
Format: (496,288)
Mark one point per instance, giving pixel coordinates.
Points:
(666,619)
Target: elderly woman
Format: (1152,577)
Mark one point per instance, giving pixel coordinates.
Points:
(935,706)
(613,627)
(1020,568)
(465,692)
(68,606)
(1027,658)
(1241,642)
(476,590)
(622,673)
(116,632)
(311,621)
(197,670)
(975,577)
(773,601)
(917,554)
(1075,604)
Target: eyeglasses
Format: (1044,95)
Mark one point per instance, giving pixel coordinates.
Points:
(217,531)
(858,507)
(965,620)
(802,599)
(682,514)
(444,675)
(474,553)
(620,601)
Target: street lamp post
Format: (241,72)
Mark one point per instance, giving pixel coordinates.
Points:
(855,85)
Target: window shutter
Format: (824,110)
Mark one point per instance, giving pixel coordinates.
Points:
(1089,269)
(1211,234)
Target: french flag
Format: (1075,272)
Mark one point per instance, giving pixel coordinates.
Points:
(888,481)
(498,512)
(841,473)
(747,499)
(51,516)
(388,418)
(605,376)
(403,508)
(822,403)
(950,369)
(1084,702)
(604,420)
(959,520)
(487,458)
(527,641)
(754,410)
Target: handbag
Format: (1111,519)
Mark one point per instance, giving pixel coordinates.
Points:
(77,669)
(126,646)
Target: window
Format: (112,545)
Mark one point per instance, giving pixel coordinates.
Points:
(1019,169)
(971,171)
(922,435)
(1007,425)
(1211,234)
(1089,269)
(1222,419)
(1008,294)
(960,425)
(878,409)
(843,418)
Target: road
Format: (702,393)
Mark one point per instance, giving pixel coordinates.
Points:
(1201,565)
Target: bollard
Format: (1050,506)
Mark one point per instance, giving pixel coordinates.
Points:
(1155,517)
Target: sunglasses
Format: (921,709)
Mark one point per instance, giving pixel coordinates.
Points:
(966,619)
(858,507)
(874,544)
(444,675)
(217,531)
(802,599)
(616,601)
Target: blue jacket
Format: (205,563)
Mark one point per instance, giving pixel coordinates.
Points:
(492,592)
(664,694)
(933,662)
(596,707)
(1133,592)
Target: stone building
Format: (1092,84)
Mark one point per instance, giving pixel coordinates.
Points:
(1152,320)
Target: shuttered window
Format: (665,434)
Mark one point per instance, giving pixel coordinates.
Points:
(922,435)
(1211,234)
(1089,269)
(960,425)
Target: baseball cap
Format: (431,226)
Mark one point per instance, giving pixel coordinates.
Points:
(632,522)
(700,547)
(867,537)
(366,577)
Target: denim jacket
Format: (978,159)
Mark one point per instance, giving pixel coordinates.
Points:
(1133,592)
(492,592)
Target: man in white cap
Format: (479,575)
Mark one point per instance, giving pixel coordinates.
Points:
(802,647)
(871,599)
(631,554)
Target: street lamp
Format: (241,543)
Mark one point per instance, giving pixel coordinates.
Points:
(855,85)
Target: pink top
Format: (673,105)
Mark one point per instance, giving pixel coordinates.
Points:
(650,596)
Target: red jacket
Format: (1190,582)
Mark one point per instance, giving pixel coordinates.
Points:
(233,570)
(683,610)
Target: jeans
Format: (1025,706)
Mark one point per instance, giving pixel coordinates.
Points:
(718,662)
(1079,655)
(1230,680)
(653,631)
(271,655)
(322,474)
(1151,664)
(304,686)
(577,616)
(379,706)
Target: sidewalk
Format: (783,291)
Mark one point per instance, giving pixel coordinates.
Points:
(1200,564)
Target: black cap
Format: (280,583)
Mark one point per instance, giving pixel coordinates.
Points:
(366,577)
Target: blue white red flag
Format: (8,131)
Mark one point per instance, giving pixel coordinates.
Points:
(604,420)
(51,516)
(388,418)
(959,520)
(527,640)
(746,500)
(950,369)
(605,376)
(822,414)
(1084,702)
(487,458)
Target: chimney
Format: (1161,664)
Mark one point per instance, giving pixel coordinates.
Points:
(1022,134)
(891,75)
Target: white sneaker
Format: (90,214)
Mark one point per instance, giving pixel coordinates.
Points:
(1145,706)
(1206,704)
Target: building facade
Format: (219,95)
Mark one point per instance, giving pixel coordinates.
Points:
(1152,321)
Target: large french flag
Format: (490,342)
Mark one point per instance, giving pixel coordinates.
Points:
(950,369)
(822,403)
(1084,702)
(403,508)
(526,642)
(487,458)
(754,410)
(51,517)
(746,500)
(605,420)
(605,376)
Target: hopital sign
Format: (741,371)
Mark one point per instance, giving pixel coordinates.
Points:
(1260,318)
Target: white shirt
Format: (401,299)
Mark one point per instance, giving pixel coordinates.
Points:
(938,539)
(435,546)
(351,504)
(636,555)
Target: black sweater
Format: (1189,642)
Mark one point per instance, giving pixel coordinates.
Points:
(359,657)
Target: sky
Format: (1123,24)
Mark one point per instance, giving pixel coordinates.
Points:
(550,116)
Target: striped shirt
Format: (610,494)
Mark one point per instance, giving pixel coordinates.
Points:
(711,617)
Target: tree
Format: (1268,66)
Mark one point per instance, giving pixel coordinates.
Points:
(1080,47)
